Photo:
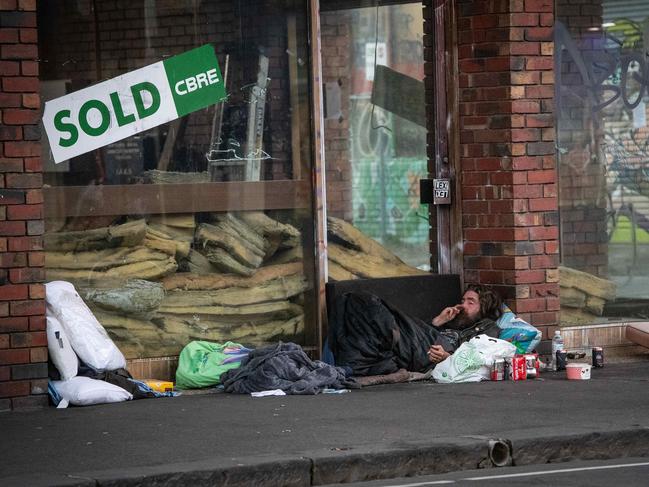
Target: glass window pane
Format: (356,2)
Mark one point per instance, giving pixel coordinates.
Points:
(602,138)
(196,228)
(375,136)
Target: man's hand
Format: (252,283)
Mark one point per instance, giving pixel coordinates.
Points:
(436,354)
(447,315)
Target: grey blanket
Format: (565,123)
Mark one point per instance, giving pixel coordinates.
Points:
(284,366)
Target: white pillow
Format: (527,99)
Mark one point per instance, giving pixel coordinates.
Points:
(84,391)
(61,353)
(88,338)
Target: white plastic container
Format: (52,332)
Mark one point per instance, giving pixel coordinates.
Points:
(578,371)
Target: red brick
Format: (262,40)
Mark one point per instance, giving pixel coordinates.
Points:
(526,163)
(525,135)
(20,84)
(29,339)
(28,36)
(14,116)
(27,308)
(524,19)
(544,261)
(33,164)
(527,191)
(11,165)
(488,163)
(29,5)
(24,181)
(539,6)
(27,275)
(491,277)
(5,373)
(8,36)
(25,212)
(475,206)
(471,65)
(10,133)
(22,149)
(15,323)
(497,64)
(544,233)
(526,48)
(33,196)
(38,354)
(552,247)
(546,19)
(543,204)
(489,234)
(525,106)
(529,305)
(524,276)
(29,68)
(12,228)
(540,63)
(10,292)
(36,291)
(31,100)
(539,120)
(525,77)
(19,244)
(541,91)
(37,323)
(4,343)
(14,389)
(501,206)
(543,290)
(9,357)
(539,177)
(8,99)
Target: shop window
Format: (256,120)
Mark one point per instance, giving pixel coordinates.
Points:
(375,137)
(602,96)
(200,228)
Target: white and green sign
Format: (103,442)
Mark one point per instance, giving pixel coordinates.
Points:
(142,99)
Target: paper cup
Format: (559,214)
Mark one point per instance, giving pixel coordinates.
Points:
(578,371)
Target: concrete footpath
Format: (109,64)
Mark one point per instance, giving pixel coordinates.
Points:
(376,432)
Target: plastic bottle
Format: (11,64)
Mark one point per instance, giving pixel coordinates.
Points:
(557,344)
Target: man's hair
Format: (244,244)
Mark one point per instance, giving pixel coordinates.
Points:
(490,302)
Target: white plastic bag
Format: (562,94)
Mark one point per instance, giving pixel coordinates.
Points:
(84,391)
(88,338)
(60,349)
(472,361)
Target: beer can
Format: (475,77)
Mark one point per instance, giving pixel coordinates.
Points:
(517,368)
(598,357)
(531,364)
(561,359)
(498,369)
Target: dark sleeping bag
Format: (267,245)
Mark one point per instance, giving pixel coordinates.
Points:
(372,337)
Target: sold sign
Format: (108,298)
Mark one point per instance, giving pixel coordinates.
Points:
(142,99)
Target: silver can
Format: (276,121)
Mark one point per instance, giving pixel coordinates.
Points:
(498,369)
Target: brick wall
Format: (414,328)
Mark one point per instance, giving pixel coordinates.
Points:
(23,343)
(507,163)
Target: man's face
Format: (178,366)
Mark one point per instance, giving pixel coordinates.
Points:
(471,306)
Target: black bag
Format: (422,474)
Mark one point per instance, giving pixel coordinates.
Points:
(484,326)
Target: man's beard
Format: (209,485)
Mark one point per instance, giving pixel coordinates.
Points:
(461,321)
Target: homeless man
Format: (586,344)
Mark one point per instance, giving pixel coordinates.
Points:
(371,337)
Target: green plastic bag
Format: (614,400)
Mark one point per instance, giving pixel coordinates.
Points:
(201,363)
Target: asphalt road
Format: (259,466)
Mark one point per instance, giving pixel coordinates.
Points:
(630,472)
